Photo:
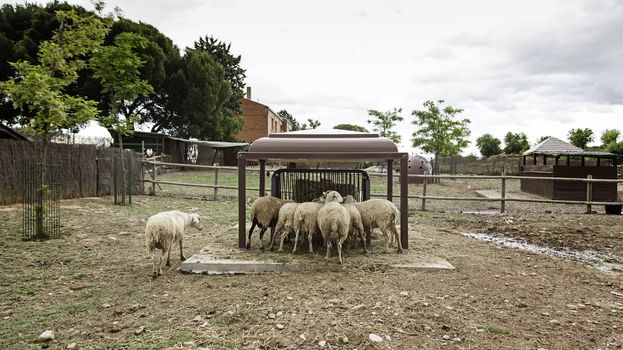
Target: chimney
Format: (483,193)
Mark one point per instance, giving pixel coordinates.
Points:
(248,92)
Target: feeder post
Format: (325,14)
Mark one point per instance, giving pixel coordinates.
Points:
(262,177)
(589,193)
(404,203)
(242,201)
(390,180)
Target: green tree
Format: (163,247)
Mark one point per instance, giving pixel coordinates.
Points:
(488,145)
(616,147)
(438,132)
(311,124)
(609,136)
(234,74)
(351,127)
(117,68)
(542,138)
(41,89)
(384,122)
(284,114)
(580,137)
(515,143)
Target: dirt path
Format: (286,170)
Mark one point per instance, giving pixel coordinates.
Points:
(92,288)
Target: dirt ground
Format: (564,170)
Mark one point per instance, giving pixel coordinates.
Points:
(92,287)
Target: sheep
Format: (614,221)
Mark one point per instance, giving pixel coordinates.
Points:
(356,223)
(333,221)
(163,230)
(380,213)
(264,214)
(306,221)
(284,222)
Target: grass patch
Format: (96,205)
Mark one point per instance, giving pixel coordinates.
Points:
(498,330)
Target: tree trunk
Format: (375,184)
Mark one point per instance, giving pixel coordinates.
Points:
(41,189)
(123,174)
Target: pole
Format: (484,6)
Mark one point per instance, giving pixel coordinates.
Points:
(242,202)
(589,193)
(390,180)
(404,203)
(424,180)
(262,177)
(503,196)
(215,184)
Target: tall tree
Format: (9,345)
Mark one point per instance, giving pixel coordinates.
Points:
(284,114)
(438,132)
(542,138)
(580,137)
(488,145)
(609,136)
(515,143)
(311,124)
(41,89)
(351,127)
(221,53)
(117,68)
(384,122)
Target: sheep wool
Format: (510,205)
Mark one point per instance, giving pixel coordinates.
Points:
(285,224)
(306,221)
(165,229)
(264,214)
(333,221)
(380,213)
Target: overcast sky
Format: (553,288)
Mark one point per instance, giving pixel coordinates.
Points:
(540,67)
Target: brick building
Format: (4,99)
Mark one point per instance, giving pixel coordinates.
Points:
(259,120)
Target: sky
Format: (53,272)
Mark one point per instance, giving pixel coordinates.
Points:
(541,67)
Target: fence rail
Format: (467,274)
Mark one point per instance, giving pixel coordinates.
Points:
(458,192)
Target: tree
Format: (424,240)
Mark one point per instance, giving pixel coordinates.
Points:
(580,137)
(22,29)
(542,138)
(616,147)
(438,132)
(235,74)
(41,89)
(351,127)
(609,136)
(284,114)
(117,68)
(311,124)
(515,143)
(383,122)
(488,145)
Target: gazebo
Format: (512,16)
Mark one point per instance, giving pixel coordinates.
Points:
(332,145)
(556,158)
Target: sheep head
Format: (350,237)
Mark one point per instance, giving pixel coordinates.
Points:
(349,199)
(333,196)
(195,221)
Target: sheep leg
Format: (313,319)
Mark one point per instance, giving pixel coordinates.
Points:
(296,240)
(393,229)
(310,238)
(169,257)
(251,232)
(272,239)
(272,236)
(155,264)
(363,240)
(386,238)
(328,249)
(262,236)
(284,235)
(339,250)
(182,256)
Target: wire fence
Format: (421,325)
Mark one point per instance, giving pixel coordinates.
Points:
(451,193)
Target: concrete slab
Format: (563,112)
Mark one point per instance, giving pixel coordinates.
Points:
(213,261)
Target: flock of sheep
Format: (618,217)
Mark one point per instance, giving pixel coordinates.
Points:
(333,217)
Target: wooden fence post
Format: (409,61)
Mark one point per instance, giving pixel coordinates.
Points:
(589,193)
(153,178)
(424,193)
(503,195)
(215,184)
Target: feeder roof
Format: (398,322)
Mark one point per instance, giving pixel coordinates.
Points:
(334,141)
(556,147)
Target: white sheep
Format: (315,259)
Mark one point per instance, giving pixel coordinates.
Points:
(333,221)
(264,214)
(356,223)
(306,221)
(380,213)
(165,229)
(285,224)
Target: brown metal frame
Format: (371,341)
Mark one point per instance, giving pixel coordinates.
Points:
(262,157)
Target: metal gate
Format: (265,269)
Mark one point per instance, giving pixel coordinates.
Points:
(303,185)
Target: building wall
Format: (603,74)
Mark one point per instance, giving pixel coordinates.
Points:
(255,121)
(259,121)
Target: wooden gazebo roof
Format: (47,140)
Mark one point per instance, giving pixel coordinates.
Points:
(556,147)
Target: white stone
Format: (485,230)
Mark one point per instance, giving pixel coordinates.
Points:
(280,326)
(271,315)
(46,336)
(322,343)
(404,294)
(72,346)
(446,337)
(375,338)
(302,337)
(279,313)
(197,318)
